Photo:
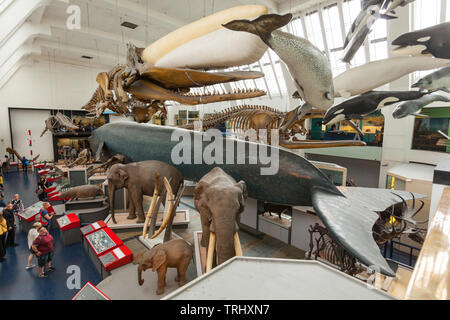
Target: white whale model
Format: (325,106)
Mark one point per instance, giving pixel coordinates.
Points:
(378,73)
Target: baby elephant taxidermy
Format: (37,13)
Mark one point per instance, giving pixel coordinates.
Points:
(220,200)
(83,192)
(172,254)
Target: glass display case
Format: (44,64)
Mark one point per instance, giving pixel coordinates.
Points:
(187,116)
(426,135)
(64,221)
(334,172)
(100,241)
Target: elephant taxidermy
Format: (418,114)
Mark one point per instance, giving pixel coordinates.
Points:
(220,200)
(139,179)
(173,254)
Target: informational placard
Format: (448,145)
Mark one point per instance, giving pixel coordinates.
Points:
(90,292)
(31,212)
(100,241)
(63,221)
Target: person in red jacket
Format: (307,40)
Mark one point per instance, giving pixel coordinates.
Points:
(43,248)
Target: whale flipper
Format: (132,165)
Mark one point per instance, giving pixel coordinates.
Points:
(261,26)
(350,219)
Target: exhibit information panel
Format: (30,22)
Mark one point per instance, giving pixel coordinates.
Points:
(90,292)
(116,258)
(29,214)
(68,222)
(103,241)
(93,227)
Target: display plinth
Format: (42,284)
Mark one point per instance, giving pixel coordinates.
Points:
(100,243)
(90,292)
(97,179)
(274,227)
(58,211)
(28,216)
(115,259)
(78,176)
(181,219)
(69,226)
(88,216)
(88,203)
(150,243)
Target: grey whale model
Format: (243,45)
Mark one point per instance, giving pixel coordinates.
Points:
(349,219)
(414,106)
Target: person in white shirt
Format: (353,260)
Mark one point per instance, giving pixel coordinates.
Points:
(32,235)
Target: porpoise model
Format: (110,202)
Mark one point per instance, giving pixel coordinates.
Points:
(438,80)
(348,213)
(309,66)
(414,106)
(434,40)
(365,104)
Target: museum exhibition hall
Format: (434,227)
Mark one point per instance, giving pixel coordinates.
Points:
(211,150)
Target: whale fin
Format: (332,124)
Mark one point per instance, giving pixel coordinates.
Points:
(350,219)
(262,26)
(419,115)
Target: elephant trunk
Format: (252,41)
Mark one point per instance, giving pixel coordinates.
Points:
(112,193)
(225,240)
(140,280)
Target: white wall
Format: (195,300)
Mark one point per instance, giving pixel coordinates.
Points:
(23,120)
(44,84)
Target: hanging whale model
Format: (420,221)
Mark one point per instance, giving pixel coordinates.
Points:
(438,80)
(349,213)
(308,65)
(414,106)
(434,40)
(398,3)
(355,81)
(367,103)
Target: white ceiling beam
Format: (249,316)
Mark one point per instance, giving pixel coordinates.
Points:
(84,51)
(22,35)
(11,66)
(15,15)
(139,11)
(95,33)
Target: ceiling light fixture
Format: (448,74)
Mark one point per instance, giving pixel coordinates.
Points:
(129,25)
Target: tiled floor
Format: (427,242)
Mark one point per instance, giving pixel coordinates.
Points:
(17,283)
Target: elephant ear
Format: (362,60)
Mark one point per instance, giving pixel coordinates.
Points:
(159,259)
(200,188)
(242,185)
(123,175)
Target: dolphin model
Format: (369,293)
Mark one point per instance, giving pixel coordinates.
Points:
(365,104)
(414,106)
(348,213)
(434,40)
(309,66)
(356,80)
(438,80)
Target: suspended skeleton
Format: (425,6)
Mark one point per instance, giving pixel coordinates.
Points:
(12,152)
(118,158)
(83,158)
(57,123)
(244,118)
(124,86)
(398,220)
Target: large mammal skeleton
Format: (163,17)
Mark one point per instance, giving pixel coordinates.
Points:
(58,122)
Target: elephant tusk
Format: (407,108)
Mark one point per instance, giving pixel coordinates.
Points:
(237,245)
(169,211)
(210,253)
(152,206)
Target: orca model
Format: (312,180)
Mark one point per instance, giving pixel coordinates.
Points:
(367,103)
(434,40)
